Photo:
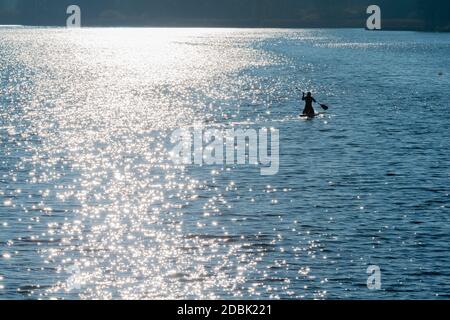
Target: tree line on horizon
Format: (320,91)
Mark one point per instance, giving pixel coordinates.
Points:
(427,15)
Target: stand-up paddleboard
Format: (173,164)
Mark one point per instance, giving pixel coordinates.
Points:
(310,117)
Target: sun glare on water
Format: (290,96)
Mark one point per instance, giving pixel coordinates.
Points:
(103,102)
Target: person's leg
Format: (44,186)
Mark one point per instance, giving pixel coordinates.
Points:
(309,111)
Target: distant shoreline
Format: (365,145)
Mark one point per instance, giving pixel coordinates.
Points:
(399,15)
(222,27)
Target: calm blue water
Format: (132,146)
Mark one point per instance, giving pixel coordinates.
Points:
(91,208)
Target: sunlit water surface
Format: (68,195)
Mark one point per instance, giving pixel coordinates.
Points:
(91,207)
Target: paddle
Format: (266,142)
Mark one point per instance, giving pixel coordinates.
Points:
(323,106)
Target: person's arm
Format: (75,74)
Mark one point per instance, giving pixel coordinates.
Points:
(314,100)
(303,98)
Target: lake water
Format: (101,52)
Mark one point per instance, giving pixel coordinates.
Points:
(91,208)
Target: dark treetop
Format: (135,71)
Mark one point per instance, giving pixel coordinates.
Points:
(427,15)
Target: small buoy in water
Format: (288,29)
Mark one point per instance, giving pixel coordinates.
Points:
(441,73)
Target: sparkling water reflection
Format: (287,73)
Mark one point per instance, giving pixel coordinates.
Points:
(91,206)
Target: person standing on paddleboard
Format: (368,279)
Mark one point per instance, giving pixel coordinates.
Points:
(309,110)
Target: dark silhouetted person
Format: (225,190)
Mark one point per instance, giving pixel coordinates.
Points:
(309,110)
